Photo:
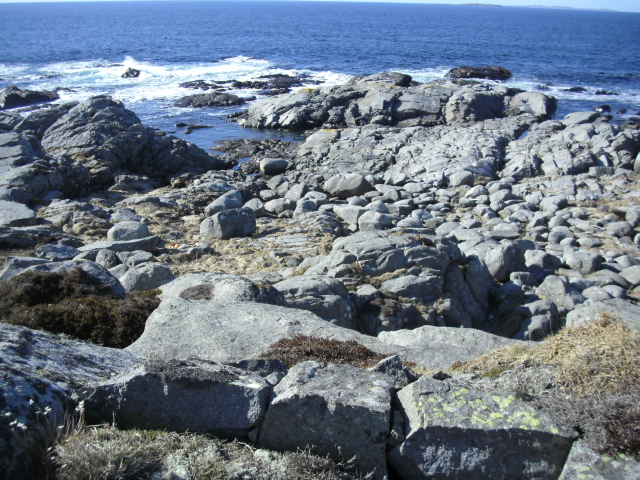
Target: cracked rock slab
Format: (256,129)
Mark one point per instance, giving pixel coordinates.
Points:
(458,433)
(342,411)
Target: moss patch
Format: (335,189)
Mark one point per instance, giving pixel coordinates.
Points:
(75,304)
(301,348)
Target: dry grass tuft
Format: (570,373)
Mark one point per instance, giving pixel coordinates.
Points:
(106,453)
(595,358)
(301,348)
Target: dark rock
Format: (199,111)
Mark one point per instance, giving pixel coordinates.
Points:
(576,89)
(489,72)
(182,396)
(107,138)
(131,73)
(210,99)
(13,97)
(603,108)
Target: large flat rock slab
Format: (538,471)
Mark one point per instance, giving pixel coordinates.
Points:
(232,331)
(439,347)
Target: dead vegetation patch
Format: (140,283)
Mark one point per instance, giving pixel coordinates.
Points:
(594,358)
(75,304)
(302,348)
(108,453)
(595,381)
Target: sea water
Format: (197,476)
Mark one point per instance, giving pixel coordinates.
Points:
(83,49)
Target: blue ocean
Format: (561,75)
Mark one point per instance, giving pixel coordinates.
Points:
(83,49)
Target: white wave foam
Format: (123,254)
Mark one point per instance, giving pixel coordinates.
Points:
(156,82)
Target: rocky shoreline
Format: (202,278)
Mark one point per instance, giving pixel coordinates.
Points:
(428,224)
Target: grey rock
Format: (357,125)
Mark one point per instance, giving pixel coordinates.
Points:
(182,396)
(392,366)
(37,373)
(461,178)
(372,221)
(124,231)
(147,244)
(257,206)
(146,276)
(210,99)
(236,222)
(13,97)
(410,286)
(632,275)
(350,213)
(325,296)
(217,331)
(459,433)
(227,201)
(279,205)
(559,291)
(627,311)
(57,253)
(136,257)
(620,229)
(347,185)
(109,138)
(107,258)
(440,347)
(220,287)
(94,271)
(14,214)
(583,462)
(273,166)
(541,320)
(583,262)
(15,265)
(354,422)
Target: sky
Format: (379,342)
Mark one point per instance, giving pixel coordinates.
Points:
(618,5)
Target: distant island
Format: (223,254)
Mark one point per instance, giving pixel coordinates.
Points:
(537,6)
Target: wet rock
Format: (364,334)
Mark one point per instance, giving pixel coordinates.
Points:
(13,97)
(490,72)
(131,73)
(210,99)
